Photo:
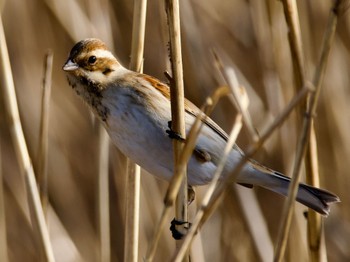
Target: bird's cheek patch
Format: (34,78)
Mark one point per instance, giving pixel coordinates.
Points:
(107,71)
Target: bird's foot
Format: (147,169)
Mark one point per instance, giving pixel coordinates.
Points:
(177,235)
(172,134)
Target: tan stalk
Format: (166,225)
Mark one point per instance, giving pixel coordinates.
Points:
(294,36)
(103,194)
(175,182)
(72,18)
(3,240)
(257,228)
(138,35)
(42,159)
(242,103)
(78,28)
(15,126)
(311,160)
(56,220)
(255,219)
(203,215)
(306,129)
(237,125)
(177,107)
(99,18)
(230,77)
(133,181)
(317,248)
(132,214)
(297,56)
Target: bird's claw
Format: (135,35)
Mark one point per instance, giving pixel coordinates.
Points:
(177,235)
(172,134)
(191,194)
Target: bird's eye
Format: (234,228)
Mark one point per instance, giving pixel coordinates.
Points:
(92,59)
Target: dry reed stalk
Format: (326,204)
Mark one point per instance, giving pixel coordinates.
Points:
(77,29)
(132,213)
(3,240)
(59,234)
(305,135)
(72,18)
(42,159)
(311,160)
(256,223)
(103,195)
(297,55)
(152,247)
(138,35)
(133,182)
(99,18)
(207,210)
(240,100)
(239,97)
(237,125)
(177,108)
(317,249)
(294,36)
(175,183)
(14,123)
(258,228)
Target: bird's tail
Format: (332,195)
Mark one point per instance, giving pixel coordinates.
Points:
(312,197)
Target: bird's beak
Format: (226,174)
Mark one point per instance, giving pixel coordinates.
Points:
(70,66)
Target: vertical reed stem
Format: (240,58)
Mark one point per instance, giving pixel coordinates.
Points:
(305,135)
(133,182)
(42,159)
(294,36)
(15,126)
(177,105)
(206,210)
(314,225)
(103,195)
(3,240)
(311,160)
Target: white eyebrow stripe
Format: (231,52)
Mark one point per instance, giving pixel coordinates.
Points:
(102,53)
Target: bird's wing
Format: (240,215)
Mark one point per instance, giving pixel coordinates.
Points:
(195,111)
(189,106)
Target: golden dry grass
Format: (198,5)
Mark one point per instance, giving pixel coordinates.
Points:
(252,37)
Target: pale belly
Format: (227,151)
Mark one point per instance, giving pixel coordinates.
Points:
(141,135)
(148,145)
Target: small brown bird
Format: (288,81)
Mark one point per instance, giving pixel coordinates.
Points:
(135,110)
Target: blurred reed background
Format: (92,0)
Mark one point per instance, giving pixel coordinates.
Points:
(252,37)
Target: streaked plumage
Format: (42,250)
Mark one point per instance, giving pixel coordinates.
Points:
(135,110)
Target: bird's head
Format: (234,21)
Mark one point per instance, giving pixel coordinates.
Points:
(90,62)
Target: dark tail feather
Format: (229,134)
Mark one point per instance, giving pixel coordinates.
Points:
(312,197)
(324,198)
